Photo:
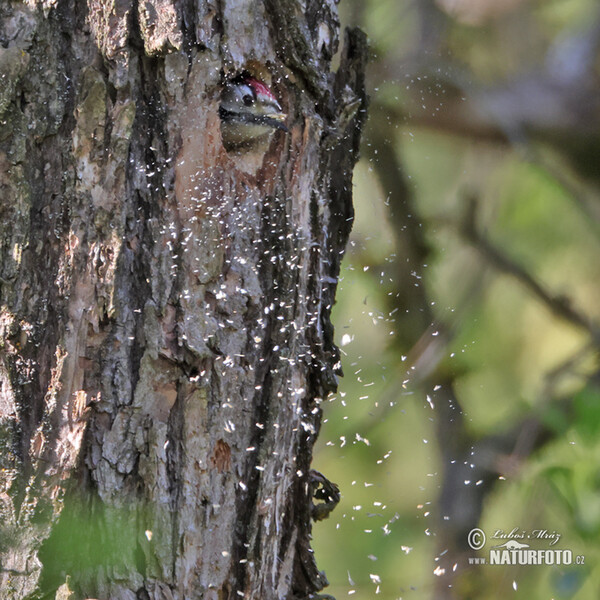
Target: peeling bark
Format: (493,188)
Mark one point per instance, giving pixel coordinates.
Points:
(165,305)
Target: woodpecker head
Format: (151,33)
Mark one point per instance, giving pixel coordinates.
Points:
(249,112)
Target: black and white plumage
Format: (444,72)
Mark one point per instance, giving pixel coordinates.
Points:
(249,112)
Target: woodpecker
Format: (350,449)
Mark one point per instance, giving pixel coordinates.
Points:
(249,113)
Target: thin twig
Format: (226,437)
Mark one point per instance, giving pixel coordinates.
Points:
(559,305)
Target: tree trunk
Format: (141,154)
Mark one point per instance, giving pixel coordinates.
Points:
(165,304)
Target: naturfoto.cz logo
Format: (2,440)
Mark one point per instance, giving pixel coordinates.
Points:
(516,552)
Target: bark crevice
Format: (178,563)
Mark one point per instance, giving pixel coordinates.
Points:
(164,304)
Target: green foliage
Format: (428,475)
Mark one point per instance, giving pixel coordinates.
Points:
(512,356)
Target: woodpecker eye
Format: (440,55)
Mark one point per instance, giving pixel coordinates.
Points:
(248,99)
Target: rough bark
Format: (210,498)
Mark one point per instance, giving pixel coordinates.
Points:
(166,340)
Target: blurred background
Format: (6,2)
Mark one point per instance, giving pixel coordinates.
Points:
(468,311)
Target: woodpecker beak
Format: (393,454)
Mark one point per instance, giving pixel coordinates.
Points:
(279,121)
(249,113)
(273,114)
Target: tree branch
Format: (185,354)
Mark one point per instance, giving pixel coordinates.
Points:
(560,306)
